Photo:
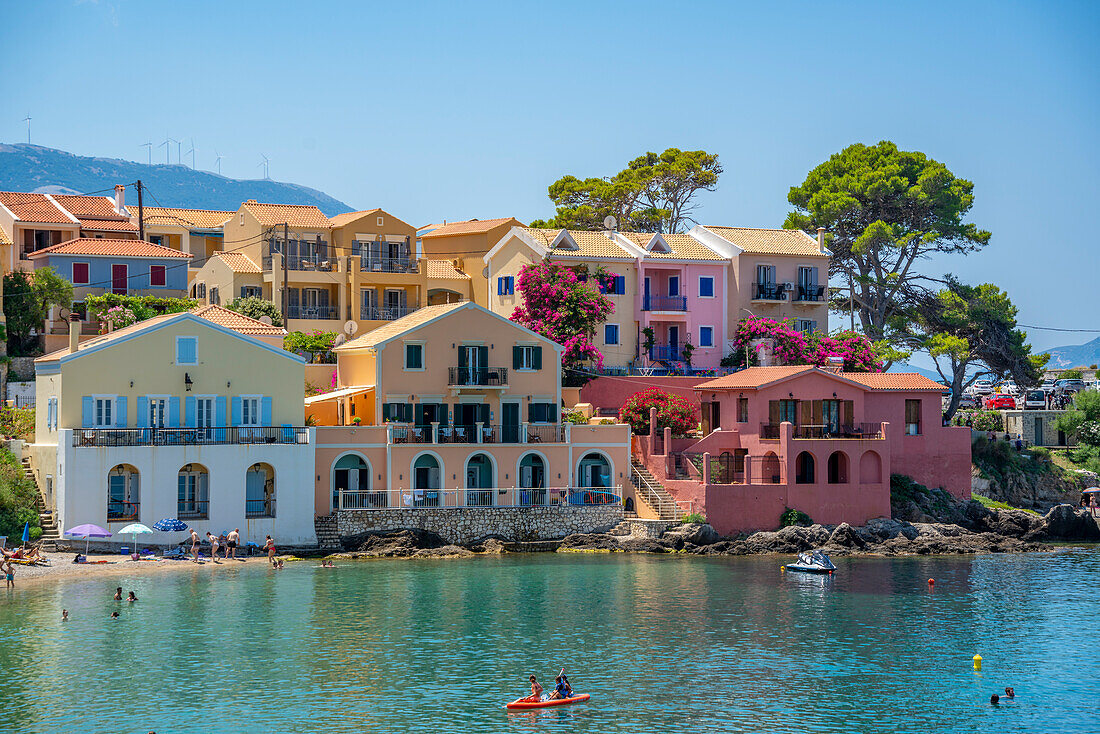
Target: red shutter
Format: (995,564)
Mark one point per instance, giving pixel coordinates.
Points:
(80,273)
(156,275)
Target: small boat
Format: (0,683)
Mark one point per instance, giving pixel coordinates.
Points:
(526,703)
(812,562)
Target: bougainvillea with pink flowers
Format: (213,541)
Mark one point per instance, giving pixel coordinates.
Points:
(851,350)
(672,412)
(558,305)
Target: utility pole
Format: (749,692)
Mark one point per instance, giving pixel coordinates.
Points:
(141,212)
(286,300)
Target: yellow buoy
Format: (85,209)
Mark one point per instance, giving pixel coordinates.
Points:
(977,662)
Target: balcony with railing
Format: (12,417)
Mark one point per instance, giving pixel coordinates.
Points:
(385,313)
(193,509)
(664,303)
(259,508)
(329,313)
(368,264)
(854,431)
(666,353)
(769,291)
(478,433)
(225,436)
(307,255)
(382,499)
(810,294)
(477,376)
(118,511)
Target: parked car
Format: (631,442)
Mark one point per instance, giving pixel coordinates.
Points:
(1000,402)
(1035,400)
(1047,386)
(967,402)
(1065,387)
(981,387)
(1008,388)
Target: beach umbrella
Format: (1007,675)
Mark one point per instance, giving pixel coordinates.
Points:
(133,529)
(169,525)
(1091,490)
(88,531)
(27,531)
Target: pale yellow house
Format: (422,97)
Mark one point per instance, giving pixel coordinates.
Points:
(195,231)
(33,222)
(464,244)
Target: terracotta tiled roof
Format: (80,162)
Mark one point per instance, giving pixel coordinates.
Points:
(88,207)
(589,244)
(296,215)
(684,247)
(238,262)
(444,269)
(770,241)
(341,219)
(108,225)
(893,380)
(4,238)
(470,226)
(237,322)
(34,208)
(754,377)
(190,218)
(109,248)
(395,328)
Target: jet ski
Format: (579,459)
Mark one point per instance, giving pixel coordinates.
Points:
(812,562)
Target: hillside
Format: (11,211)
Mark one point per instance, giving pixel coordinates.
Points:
(1076,355)
(25,167)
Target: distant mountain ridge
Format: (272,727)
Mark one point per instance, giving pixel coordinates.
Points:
(1076,355)
(34,168)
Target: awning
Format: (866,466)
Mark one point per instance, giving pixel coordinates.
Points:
(343,392)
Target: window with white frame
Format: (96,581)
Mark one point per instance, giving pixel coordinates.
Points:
(250,411)
(610,333)
(204,412)
(524,357)
(414,356)
(706,336)
(187,350)
(51,414)
(158,412)
(104,411)
(806,326)
(706,286)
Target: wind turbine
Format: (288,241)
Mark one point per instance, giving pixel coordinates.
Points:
(264,165)
(218,162)
(149,148)
(167,150)
(179,147)
(27,120)
(192,154)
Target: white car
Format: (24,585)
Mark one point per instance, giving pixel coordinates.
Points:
(1009,388)
(1047,386)
(981,387)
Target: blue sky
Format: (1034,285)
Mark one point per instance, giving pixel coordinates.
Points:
(457,110)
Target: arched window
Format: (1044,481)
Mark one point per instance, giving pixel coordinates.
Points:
(838,468)
(259,491)
(193,495)
(770,471)
(870,468)
(594,471)
(351,474)
(123,494)
(804,468)
(479,481)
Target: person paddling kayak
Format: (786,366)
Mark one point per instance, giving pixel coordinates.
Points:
(536,691)
(562,689)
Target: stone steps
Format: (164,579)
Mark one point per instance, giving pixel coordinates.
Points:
(328,536)
(50,532)
(650,491)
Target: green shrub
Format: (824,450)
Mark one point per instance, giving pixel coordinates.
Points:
(17,496)
(1040,453)
(1070,375)
(575,417)
(795,517)
(317,344)
(17,423)
(693,517)
(256,308)
(142,307)
(980,420)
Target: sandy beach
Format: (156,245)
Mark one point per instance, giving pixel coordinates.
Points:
(103,565)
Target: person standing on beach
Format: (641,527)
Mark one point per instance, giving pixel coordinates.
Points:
(213,546)
(269,546)
(194,545)
(232,539)
(9,574)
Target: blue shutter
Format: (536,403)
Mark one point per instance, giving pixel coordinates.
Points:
(174,412)
(219,411)
(511,285)
(143,412)
(500,286)
(537,363)
(120,411)
(236,418)
(87,410)
(620,284)
(191,411)
(265,411)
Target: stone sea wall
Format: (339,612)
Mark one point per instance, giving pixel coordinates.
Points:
(467,524)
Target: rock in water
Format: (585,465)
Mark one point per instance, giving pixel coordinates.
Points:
(1066,522)
(696,533)
(393,542)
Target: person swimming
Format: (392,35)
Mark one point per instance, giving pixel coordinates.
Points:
(994,699)
(1010,692)
(114,615)
(118,594)
(131,597)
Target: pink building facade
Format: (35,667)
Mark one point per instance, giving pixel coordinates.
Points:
(809,439)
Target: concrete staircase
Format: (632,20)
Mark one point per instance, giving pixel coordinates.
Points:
(50,532)
(650,491)
(328,536)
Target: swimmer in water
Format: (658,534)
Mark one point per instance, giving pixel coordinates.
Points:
(1010,692)
(994,699)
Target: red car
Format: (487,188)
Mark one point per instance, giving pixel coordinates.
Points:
(1000,402)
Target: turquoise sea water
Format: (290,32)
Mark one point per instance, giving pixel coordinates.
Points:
(664,644)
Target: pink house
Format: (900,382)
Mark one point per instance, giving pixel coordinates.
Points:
(810,439)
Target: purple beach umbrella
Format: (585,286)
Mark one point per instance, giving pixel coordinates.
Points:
(88,531)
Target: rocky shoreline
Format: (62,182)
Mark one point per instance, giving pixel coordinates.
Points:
(978,530)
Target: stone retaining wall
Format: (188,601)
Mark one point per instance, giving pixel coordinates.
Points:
(466,524)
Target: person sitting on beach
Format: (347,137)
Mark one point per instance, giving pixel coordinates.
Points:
(279,565)
(131,597)
(562,689)
(536,690)
(118,594)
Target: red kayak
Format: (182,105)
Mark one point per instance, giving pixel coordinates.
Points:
(526,703)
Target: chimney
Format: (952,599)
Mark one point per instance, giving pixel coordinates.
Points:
(120,199)
(821,238)
(74,333)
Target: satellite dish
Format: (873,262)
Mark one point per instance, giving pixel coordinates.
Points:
(265,319)
(350,327)
(609,222)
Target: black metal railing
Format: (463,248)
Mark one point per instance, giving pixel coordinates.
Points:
(862,431)
(122,510)
(312,312)
(385,313)
(810,293)
(545,433)
(387,265)
(477,376)
(303,255)
(769,432)
(769,291)
(190,436)
(664,303)
(193,509)
(468,433)
(259,508)
(666,353)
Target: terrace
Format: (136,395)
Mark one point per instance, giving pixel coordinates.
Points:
(431,499)
(226,436)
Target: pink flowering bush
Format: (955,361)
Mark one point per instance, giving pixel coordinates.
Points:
(672,412)
(851,350)
(558,305)
(790,345)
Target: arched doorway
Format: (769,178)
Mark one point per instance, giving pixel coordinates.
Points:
(804,468)
(259,491)
(770,471)
(594,470)
(870,468)
(123,494)
(628,506)
(838,468)
(350,474)
(480,480)
(193,493)
(427,478)
(531,476)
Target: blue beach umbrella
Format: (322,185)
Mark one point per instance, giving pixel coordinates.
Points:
(27,532)
(169,525)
